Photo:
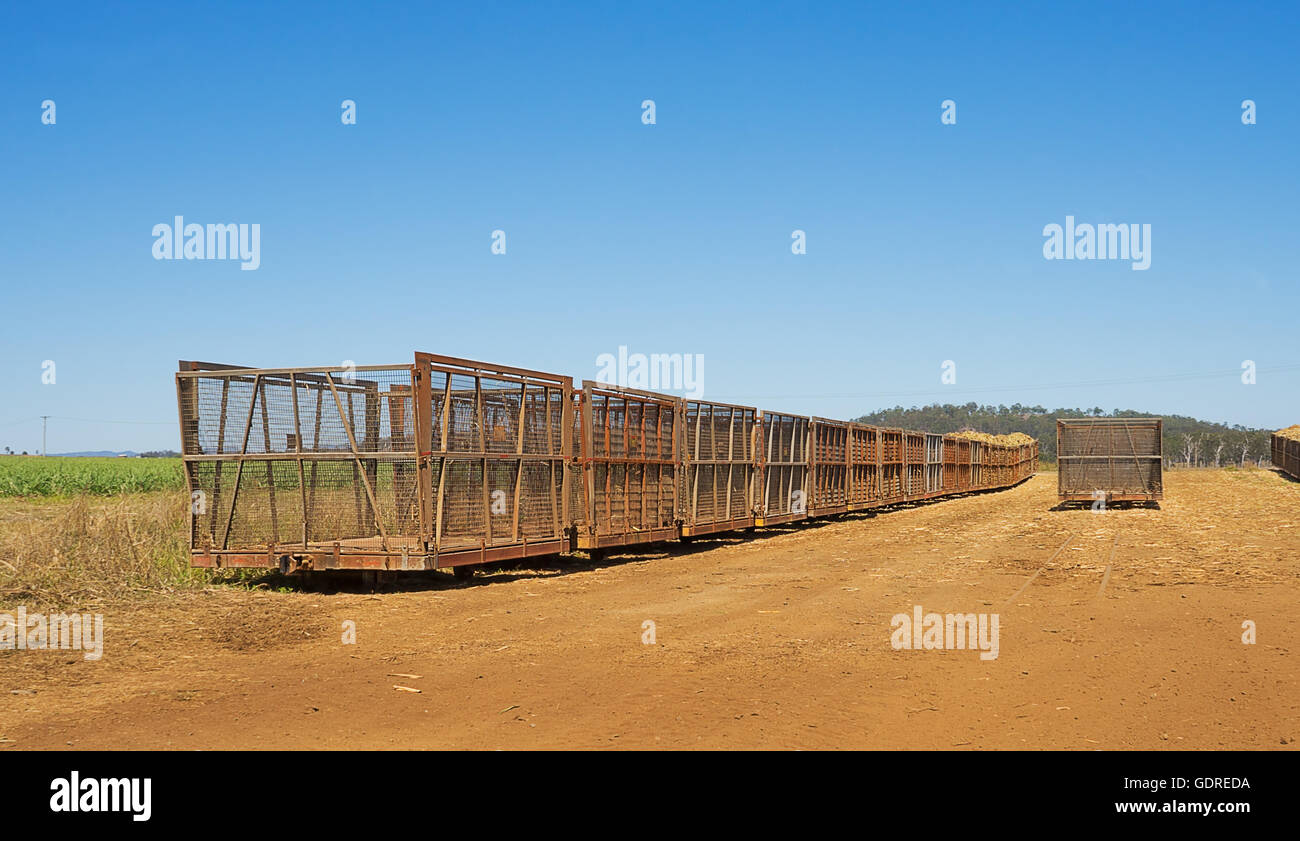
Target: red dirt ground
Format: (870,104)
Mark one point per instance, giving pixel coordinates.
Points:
(779,639)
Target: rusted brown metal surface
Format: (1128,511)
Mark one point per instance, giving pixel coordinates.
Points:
(447,462)
(831,471)
(784,453)
(720,470)
(891,465)
(914,486)
(494,456)
(934,466)
(629,464)
(434,464)
(864,466)
(1286,455)
(963,474)
(1112,459)
(298,457)
(948,481)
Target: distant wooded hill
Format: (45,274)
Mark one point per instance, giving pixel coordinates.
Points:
(1186,440)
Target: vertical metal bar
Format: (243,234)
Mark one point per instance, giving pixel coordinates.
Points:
(551,490)
(627,467)
(315,445)
(519,465)
(187,392)
(356,470)
(356,459)
(421,423)
(482,448)
(588,445)
(371,438)
(297,440)
(221,447)
(566,449)
(270,473)
(444,464)
(644,467)
(695,468)
(609,467)
(731,449)
(721,482)
(239,470)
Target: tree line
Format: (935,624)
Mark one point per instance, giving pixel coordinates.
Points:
(1187,441)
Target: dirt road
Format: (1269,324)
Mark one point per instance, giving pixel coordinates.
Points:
(781,639)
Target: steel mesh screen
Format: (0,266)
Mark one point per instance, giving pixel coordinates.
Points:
(300,457)
(831,471)
(785,464)
(496,457)
(630,462)
(719,478)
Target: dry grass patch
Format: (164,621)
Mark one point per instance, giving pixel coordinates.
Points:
(86,550)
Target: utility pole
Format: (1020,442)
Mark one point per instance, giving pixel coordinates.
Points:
(44,420)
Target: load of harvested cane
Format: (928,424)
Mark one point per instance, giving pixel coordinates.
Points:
(1291,433)
(1013,440)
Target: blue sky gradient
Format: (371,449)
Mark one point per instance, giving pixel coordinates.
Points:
(924,240)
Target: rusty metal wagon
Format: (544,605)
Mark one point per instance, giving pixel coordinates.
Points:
(448,463)
(1109,459)
(1285,454)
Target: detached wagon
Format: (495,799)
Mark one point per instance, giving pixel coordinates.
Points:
(1111,459)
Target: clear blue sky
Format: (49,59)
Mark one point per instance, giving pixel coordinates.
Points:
(924,240)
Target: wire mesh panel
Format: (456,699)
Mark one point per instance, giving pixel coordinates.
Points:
(891,464)
(783,464)
(296,458)
(830,466)
(630,466)
(962,461)
(914,460)
(718,478)
(933,463)
(864,465)
(494,447)
(949,478)
(1118,457)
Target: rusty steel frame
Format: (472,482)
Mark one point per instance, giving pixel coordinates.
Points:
(694,523)
(831,467)
(839,466)
(556,391)
(1112,490)
(598,445)
(893,465)
(779,462)
(1285,455)
(864,467)
(425,550)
